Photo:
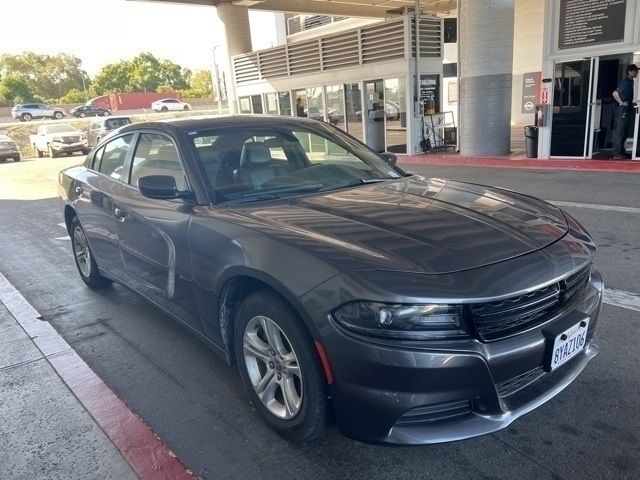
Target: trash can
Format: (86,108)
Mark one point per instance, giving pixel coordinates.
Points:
(531,141)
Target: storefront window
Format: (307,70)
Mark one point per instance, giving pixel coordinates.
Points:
(335,105)
(245,104)
(284,102)
(315,109)
(256,103)
(353,109)
(395,109)
(271,103)
(300,108)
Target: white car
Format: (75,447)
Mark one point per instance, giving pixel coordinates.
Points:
(167,104)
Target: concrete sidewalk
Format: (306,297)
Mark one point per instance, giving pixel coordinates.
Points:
(44,429)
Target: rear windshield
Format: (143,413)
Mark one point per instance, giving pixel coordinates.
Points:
(117,122)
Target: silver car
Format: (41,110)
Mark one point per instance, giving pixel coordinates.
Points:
(28,111)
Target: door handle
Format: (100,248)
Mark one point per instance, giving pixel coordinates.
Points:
(119,214)
(79,190)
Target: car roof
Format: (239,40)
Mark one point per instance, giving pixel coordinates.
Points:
(203,122)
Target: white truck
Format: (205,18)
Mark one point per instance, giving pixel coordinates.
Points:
(57,140)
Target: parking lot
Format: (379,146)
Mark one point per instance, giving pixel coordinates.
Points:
(197,405)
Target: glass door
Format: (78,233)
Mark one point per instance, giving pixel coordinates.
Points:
(572,109)
(374,118)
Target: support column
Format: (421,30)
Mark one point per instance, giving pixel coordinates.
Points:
(485,35)
(237,34)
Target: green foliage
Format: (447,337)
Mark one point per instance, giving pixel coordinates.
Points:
(143,73)
(47,76)
(74,95)
(14,88)
(199,85)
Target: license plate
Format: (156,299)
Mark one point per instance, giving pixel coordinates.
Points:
(569,343)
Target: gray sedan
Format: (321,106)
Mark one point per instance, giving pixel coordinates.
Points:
(413,310)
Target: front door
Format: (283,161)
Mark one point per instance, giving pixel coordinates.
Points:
(95,206)
(571,109)
(154,233)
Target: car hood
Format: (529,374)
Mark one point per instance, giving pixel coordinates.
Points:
(414,224)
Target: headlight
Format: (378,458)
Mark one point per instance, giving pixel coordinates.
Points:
(410,322)
(57,139)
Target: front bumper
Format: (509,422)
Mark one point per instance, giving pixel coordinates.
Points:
(412,394)
(69,147)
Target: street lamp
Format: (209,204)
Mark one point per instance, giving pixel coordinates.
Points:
(216,73)
(84,86)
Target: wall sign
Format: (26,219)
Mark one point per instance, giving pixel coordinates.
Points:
(591,22)
(530,91)
(430,93)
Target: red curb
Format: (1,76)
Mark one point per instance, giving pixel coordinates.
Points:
(629,166)
(149,457)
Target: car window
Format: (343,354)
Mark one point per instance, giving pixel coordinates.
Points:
(254,164)
(115,153)
(95,161)
(156,154)
(114,123)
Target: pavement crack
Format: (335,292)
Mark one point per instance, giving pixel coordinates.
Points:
(555,475)
(20,364)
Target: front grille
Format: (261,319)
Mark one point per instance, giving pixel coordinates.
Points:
(496,320)
(512,385)
(435,412)
(70,139)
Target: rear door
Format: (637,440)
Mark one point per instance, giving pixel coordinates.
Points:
(95,207)
(153,233)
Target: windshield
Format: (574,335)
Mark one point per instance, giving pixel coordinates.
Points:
(255,163)
(114,123)
(61,128)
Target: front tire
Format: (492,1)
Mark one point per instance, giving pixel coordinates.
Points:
(83,256)
(106,113)
(82,115)
(52,153)
(58,115)
(26,117)
(279,367)
(185,108)
(164,109)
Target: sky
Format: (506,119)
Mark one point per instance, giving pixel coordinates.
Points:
(105,31)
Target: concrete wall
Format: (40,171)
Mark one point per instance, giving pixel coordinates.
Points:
(529,16)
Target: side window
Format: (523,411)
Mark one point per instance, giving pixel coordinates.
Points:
(115,152)
(95,162)
(157,155)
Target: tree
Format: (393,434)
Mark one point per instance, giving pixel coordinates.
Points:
(75,95)
(143,73)
(113,78)
(200,85)
(14,88)
(48,76)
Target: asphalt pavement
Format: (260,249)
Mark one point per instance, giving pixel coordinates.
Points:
(196,403)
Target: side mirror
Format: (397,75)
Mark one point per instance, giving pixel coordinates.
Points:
(161,187)
(390,158)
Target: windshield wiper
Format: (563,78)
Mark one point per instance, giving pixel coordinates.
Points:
(357,181)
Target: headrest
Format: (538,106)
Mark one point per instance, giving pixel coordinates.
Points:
(167,152)
(254,153)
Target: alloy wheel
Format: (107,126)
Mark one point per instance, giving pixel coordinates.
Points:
(81,251)
(273,367)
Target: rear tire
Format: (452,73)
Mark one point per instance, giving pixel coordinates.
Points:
(276,356)
(58,115)
(164,109)
(17,159)
(51,152)
(82,115)
(87,267)
(106,113)
(186,108)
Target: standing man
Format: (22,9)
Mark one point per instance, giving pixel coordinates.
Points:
(624,111)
